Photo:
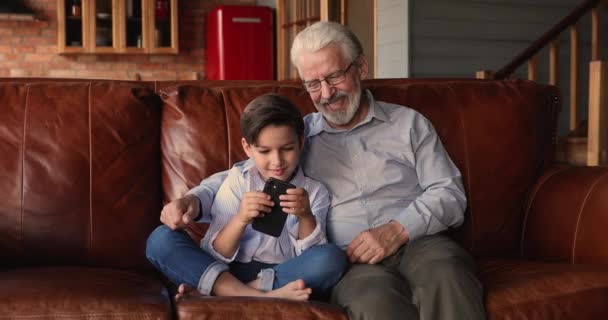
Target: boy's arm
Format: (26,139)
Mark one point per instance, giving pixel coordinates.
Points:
(223,209)
(306,225)
(206,191)
(319,206)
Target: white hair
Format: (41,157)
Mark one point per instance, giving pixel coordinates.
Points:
(323,34)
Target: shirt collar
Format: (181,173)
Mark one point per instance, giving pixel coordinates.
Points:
(317,123)
(250,169)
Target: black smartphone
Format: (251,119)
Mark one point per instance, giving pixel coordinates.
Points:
(272,222)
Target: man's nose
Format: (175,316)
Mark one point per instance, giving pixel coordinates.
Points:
(326,90)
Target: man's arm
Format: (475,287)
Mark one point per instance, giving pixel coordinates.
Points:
(443,201)
(441,205)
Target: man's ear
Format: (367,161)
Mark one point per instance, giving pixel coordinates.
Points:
(246,147)
(363,66)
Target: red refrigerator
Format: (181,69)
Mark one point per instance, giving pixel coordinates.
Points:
(240,43)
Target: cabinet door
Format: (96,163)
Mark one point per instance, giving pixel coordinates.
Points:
(132,26)
(162,29)
(104,33)
(117,26)
(72,23)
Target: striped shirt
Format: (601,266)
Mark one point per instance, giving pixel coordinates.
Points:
(391,166)
(254,245)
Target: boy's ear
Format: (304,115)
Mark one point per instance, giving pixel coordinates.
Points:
(246,147)
(301,143)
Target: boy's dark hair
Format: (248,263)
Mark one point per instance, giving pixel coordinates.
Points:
(269,109)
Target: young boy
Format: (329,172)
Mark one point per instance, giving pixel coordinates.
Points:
(245,262)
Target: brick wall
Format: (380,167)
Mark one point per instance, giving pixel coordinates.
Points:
(29,49)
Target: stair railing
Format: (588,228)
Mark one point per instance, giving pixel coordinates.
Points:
(597,132)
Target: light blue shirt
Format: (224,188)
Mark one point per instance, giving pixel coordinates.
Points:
(254,245)
(391,166)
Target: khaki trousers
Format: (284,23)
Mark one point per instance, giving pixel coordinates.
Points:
(429,278)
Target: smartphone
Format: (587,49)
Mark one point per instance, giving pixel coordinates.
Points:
(272,222)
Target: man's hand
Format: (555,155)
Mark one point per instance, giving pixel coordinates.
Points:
(373,245)
(178,214)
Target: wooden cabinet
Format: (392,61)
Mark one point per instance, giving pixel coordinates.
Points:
(117,26)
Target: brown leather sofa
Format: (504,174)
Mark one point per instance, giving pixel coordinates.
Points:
(86,165)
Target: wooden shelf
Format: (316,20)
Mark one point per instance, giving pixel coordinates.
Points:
(123,32)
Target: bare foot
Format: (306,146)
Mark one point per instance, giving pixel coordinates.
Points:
(255,284)
(185,291)
(295,290)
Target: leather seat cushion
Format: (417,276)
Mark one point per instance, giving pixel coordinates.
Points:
(214,308)
(81,293)
(535,290)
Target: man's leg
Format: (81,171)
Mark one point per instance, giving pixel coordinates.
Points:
(442,277)
(374,292)
(181,260)
(320,267)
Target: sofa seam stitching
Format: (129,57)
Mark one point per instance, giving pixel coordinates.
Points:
(90,172)
(23,141)
(529,206)
(580,214)
(225,105)
(467,164)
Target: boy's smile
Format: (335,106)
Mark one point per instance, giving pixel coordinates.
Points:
(275,153)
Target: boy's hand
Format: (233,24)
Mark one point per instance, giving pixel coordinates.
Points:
(296,202)
(253,204)
(179,213)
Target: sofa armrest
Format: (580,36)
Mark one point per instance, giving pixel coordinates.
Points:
(567,215)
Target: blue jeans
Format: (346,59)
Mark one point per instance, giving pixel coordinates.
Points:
(181,260)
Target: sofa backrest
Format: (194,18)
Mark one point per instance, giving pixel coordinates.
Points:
(501,134)
(79,172)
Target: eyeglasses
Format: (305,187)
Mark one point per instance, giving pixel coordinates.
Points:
(332,79)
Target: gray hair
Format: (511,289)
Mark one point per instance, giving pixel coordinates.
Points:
(323,34)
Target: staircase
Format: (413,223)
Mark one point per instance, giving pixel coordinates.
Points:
(587,142)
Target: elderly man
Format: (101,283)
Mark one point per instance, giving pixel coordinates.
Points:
(393,188)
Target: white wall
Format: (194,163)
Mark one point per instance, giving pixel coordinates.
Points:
(392,39)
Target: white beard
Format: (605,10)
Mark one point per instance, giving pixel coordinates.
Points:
(342,116)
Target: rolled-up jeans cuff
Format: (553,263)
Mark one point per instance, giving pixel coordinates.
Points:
(207,280)
(266,277)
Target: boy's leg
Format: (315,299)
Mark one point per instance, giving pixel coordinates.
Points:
(183,262)
(179,258)
(320,267)
(441,273)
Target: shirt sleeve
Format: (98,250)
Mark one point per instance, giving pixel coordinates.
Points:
(206,191)
(443,201)
(319,205)
(224,208)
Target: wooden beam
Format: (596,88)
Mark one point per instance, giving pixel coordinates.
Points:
(282,62)
(574,77)
(554,62)
(597,140)
(595,33)
(324,10)
(375,42)
(484,74)
(343,13)
(533,68)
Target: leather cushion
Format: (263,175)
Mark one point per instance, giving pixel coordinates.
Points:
(81,293)
(535,290)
